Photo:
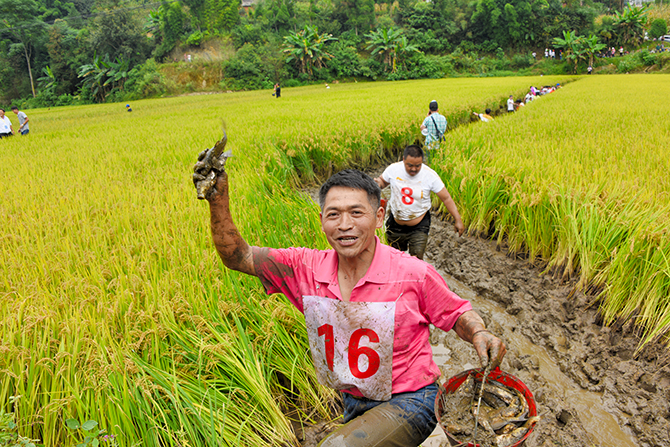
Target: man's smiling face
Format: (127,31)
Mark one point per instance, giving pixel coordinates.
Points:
(349,221)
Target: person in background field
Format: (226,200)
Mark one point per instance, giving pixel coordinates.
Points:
(510,104)
(128,109)
(23,121)
(277,90)
(433,127)
(486,116)
(411,183)
(367,310)
(6,129)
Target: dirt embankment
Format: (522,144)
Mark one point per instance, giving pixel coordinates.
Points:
(591,387)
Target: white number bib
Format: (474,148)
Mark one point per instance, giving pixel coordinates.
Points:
(352,344)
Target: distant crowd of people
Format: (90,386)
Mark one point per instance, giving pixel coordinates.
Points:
(660,48)
(514,105)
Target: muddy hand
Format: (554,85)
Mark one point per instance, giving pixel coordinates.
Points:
(489,348)
(211,163)
(459,227)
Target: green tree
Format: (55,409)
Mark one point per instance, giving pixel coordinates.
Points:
(306,48)
(571,45)
(591,46)
(47,83)
(120,33)
(658,28)
(629,24)
(384,43)
(356,15)
(66,52)
(19,19)
(171,27)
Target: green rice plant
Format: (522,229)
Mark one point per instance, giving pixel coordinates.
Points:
(579,179)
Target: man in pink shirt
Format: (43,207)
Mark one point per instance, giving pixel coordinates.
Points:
(367,311)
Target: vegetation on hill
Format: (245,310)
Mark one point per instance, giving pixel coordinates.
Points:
(82,51)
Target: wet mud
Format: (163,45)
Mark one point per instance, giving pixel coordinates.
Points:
(590,385)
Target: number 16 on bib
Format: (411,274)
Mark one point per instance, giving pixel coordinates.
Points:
(352,344)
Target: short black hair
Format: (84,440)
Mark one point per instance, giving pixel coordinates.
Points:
(412,151)
(352,178)
(488,111)
(15,108)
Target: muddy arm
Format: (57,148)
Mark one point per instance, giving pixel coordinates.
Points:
(234,251)
(450,205)
(470,327)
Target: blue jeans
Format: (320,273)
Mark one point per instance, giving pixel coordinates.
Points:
(404,421)
(25,131)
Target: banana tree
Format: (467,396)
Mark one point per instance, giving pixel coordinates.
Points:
(571,45)
(630,23)
(47,83)
(306,48)
(384,42)
(591,46)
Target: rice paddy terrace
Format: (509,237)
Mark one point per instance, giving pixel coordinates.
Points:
(114,306)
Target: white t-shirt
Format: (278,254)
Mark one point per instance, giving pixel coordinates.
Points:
(410,196)
(5,125)
(510,104)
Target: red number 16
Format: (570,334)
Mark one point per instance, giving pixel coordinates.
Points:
(355,350)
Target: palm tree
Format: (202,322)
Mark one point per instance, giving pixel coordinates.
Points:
(306,48)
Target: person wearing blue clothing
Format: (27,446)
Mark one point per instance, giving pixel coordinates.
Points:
(433,127)
(23,121)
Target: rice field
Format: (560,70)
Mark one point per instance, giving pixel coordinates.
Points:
(579,179)
(113,304)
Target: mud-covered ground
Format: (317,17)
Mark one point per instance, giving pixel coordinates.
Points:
(548,325)
(590,386)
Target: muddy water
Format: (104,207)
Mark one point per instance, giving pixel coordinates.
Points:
(601,426)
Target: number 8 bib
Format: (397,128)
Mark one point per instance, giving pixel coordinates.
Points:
(352,344)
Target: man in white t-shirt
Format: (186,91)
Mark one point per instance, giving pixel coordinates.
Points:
(411,183)
(6,129)
(510,104)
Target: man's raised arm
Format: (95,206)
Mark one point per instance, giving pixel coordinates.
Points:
(234,251)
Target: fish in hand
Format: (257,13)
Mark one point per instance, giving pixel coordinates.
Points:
(210,163)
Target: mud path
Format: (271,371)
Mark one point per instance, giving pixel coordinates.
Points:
(590,387)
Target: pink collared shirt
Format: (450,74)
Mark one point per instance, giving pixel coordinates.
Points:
(420,294)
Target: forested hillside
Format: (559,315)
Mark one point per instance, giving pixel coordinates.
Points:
(55,52)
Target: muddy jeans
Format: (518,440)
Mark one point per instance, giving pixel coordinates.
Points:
(402,237)
(404,421)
